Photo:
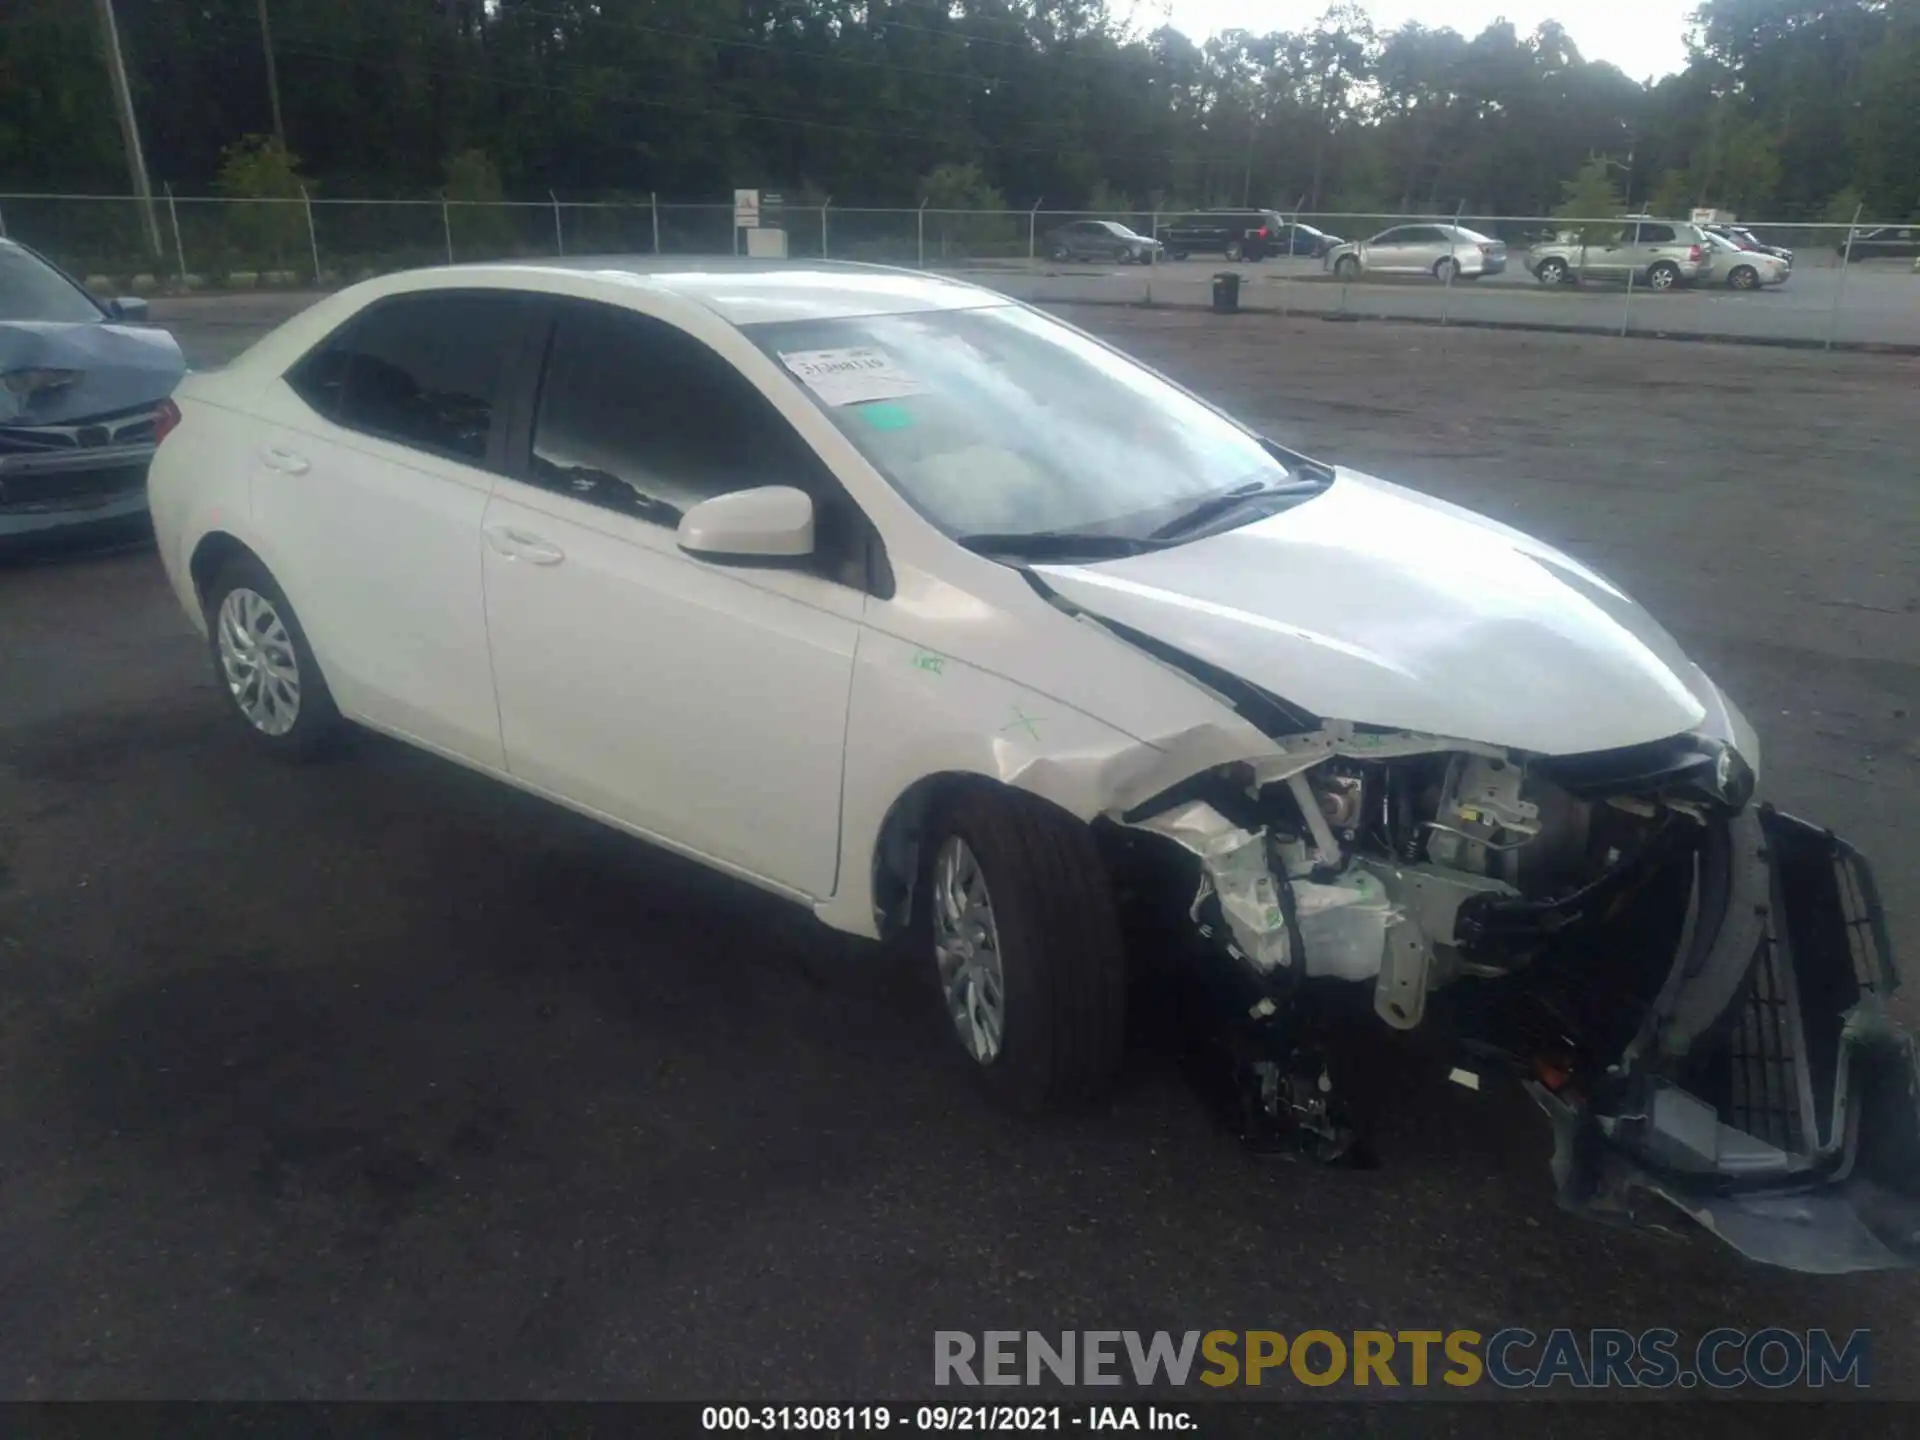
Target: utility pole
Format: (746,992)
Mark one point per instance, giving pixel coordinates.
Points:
(273,78)
(129,130)
(1246,181)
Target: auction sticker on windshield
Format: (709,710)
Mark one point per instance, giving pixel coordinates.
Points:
(851,376)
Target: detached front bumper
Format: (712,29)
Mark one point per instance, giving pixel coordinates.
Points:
(1768,1094)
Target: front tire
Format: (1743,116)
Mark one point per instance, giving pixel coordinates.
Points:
(1061,253)
(1446,269)
(1744,277)
(1346,268)
(264,665)
(1551,272)
(1015,913)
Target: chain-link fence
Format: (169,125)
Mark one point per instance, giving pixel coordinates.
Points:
(1797,281)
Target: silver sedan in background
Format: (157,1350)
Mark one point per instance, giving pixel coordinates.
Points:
(1739,268)
(1441,251)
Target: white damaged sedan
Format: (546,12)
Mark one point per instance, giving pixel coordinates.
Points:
(938,616)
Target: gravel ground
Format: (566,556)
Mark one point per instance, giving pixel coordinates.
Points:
(380,1081)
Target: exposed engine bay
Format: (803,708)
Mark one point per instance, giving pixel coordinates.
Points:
(1690,986)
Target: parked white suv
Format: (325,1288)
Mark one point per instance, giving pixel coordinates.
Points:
(927,611)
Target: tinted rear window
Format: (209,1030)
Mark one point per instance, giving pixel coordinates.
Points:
(422,370)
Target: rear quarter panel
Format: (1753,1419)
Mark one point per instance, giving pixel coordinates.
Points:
(198,484)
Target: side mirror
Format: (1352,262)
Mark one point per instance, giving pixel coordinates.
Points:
(770,525)
(128,307)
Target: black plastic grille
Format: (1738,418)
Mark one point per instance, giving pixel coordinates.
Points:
(1763,1054)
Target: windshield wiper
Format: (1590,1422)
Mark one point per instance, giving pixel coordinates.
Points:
(1215,507)
(1058,545)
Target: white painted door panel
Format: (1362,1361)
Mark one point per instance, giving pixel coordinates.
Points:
(703,704)
(378,548)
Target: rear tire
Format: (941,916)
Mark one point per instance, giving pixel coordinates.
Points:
(1663,276)
(1234,252)
(264,666)
(1061,253)
(1056,961)
(1178,254)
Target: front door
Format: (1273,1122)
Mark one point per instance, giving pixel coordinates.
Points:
(1394,250)
(1652,244)
(703,704)
(1610,254)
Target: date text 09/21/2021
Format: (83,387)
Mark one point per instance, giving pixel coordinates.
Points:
(948,1418)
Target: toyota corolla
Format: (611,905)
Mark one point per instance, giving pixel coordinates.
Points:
(940,617)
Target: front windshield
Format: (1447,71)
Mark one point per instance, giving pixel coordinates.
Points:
(31,290)
(1000,421)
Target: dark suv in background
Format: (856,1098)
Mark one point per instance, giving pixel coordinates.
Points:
(1883,242)
(1236,234)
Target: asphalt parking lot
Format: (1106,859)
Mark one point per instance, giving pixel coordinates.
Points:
(375,1080)
(1878,303)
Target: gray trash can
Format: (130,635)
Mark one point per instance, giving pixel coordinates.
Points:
(1226,293)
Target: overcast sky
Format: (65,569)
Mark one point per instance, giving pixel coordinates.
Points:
(1643,37)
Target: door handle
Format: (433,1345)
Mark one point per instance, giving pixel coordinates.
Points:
(518,544)
(285,461)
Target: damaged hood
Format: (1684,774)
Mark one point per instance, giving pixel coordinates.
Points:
(1383,606)
(119,367)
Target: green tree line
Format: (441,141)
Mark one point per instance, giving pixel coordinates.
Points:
(1795,108)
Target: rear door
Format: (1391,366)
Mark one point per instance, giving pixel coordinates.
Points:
(1655,241)
(371,467)
(1398,250)
(1082,238)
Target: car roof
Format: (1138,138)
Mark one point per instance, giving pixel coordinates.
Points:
(741,290)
